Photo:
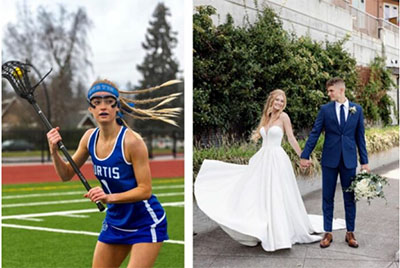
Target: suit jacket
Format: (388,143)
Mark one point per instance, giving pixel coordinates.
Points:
(339,142)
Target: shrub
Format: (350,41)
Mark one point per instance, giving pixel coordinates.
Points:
(374,83)
(377,140)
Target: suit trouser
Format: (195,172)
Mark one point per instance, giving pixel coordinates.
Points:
(329,180)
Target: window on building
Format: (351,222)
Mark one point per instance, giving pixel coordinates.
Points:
(386,14)
(390,12)
(359,4)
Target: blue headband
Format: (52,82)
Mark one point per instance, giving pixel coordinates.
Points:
(102,87)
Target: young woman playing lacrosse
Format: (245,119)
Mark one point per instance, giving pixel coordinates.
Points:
(135,222)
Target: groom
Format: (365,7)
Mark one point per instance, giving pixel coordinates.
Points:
(343,123)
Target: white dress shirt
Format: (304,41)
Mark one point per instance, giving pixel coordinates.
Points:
(346,109)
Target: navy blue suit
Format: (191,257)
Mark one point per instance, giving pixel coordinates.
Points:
(339,156)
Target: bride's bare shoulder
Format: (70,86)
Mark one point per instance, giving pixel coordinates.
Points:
(284,116)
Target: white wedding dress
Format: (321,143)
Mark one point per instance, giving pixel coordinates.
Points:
(258,202)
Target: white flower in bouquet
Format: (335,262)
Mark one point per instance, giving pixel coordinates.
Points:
(362,187)
(367,186)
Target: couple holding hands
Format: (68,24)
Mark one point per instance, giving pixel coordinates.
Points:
(261,202)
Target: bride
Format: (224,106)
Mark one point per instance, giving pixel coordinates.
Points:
(260,202)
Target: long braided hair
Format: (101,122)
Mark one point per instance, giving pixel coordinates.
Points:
(128,105)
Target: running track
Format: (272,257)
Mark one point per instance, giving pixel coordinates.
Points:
(29,173)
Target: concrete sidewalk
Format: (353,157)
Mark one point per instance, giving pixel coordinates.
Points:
(377,231)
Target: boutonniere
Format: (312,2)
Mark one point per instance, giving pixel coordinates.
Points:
(353,109)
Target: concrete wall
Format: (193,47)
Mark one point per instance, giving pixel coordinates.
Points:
(391,44)
(321,20)
(365,48)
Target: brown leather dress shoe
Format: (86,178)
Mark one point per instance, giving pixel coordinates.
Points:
(351,240)
(326,241)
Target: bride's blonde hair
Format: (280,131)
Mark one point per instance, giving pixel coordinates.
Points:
(268,116)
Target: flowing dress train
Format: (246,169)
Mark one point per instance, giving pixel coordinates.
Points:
(258,202)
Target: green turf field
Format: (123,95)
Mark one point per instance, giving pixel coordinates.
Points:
(52,225)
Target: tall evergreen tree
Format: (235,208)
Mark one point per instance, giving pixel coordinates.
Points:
(159,66)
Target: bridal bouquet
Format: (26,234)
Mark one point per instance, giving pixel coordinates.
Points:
(367,186)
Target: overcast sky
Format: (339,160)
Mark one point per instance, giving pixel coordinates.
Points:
(119,28)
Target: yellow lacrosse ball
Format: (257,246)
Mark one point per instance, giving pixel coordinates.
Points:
(17,72)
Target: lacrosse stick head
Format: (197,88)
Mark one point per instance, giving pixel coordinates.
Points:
(17,74)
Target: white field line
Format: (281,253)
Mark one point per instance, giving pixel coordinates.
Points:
(80,192)
(48,214)
(45,203)
(31,219)
(68,231)
(41,195)
(69,212)
(68,201)
(75,216)
(168,187)
(48,229)
(173,204)
(170,194)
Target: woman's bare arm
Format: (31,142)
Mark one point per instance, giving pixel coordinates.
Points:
(64,169)
(287,125)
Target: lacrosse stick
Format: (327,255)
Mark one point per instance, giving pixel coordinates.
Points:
(17,74)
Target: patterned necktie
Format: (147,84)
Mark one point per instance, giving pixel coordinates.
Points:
(342,120)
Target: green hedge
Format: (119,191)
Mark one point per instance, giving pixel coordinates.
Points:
(377,140)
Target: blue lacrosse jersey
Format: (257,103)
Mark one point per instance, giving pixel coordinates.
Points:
(117,175)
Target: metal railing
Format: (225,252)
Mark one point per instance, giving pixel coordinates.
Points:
(389,26)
